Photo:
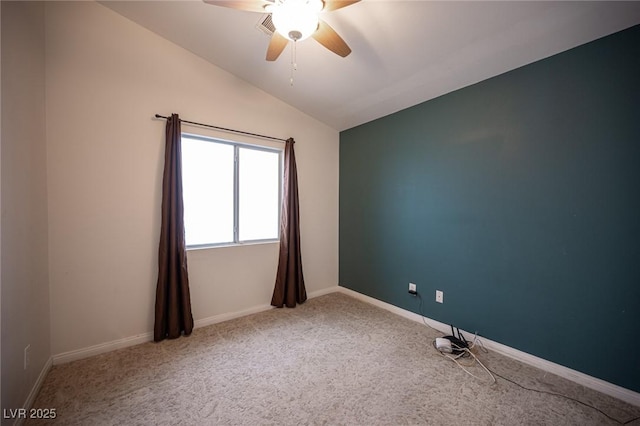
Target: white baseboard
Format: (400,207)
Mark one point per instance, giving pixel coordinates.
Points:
(125,342)
(31,398)
(323,291)
(101,348)
(591,382)
(230,315)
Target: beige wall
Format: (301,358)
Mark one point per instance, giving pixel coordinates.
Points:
(106,77)
(25,285)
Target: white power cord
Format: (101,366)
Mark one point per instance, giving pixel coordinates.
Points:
(467,351)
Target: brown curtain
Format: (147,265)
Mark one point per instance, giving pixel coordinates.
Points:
(289,288)
(173,302)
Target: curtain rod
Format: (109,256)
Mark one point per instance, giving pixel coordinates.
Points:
(225,129)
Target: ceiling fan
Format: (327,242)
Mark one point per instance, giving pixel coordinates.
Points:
(295,20)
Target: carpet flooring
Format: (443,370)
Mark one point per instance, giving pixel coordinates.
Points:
(332,361)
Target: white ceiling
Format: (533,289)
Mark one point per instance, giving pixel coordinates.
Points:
(404,52)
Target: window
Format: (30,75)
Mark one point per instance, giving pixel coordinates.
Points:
(231,191)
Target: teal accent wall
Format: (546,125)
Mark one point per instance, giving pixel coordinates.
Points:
(519,197)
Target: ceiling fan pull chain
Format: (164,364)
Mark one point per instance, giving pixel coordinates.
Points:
(294,65)
(295,56)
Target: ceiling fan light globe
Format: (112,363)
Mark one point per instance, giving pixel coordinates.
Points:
(299,17)
(316,5)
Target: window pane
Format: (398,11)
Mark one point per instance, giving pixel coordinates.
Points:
(259,186)
(207,182)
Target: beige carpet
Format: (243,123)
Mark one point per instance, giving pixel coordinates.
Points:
(334,360)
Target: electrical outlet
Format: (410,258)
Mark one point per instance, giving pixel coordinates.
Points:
(412,288)
(439,296)
(27,356)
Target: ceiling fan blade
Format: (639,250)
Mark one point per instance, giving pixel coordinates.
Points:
(330,5)
(276,46)
(248,5)
(326,36)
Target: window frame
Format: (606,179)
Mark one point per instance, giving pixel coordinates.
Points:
(237,145)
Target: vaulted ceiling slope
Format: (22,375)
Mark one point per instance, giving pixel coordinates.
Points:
(404,52)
